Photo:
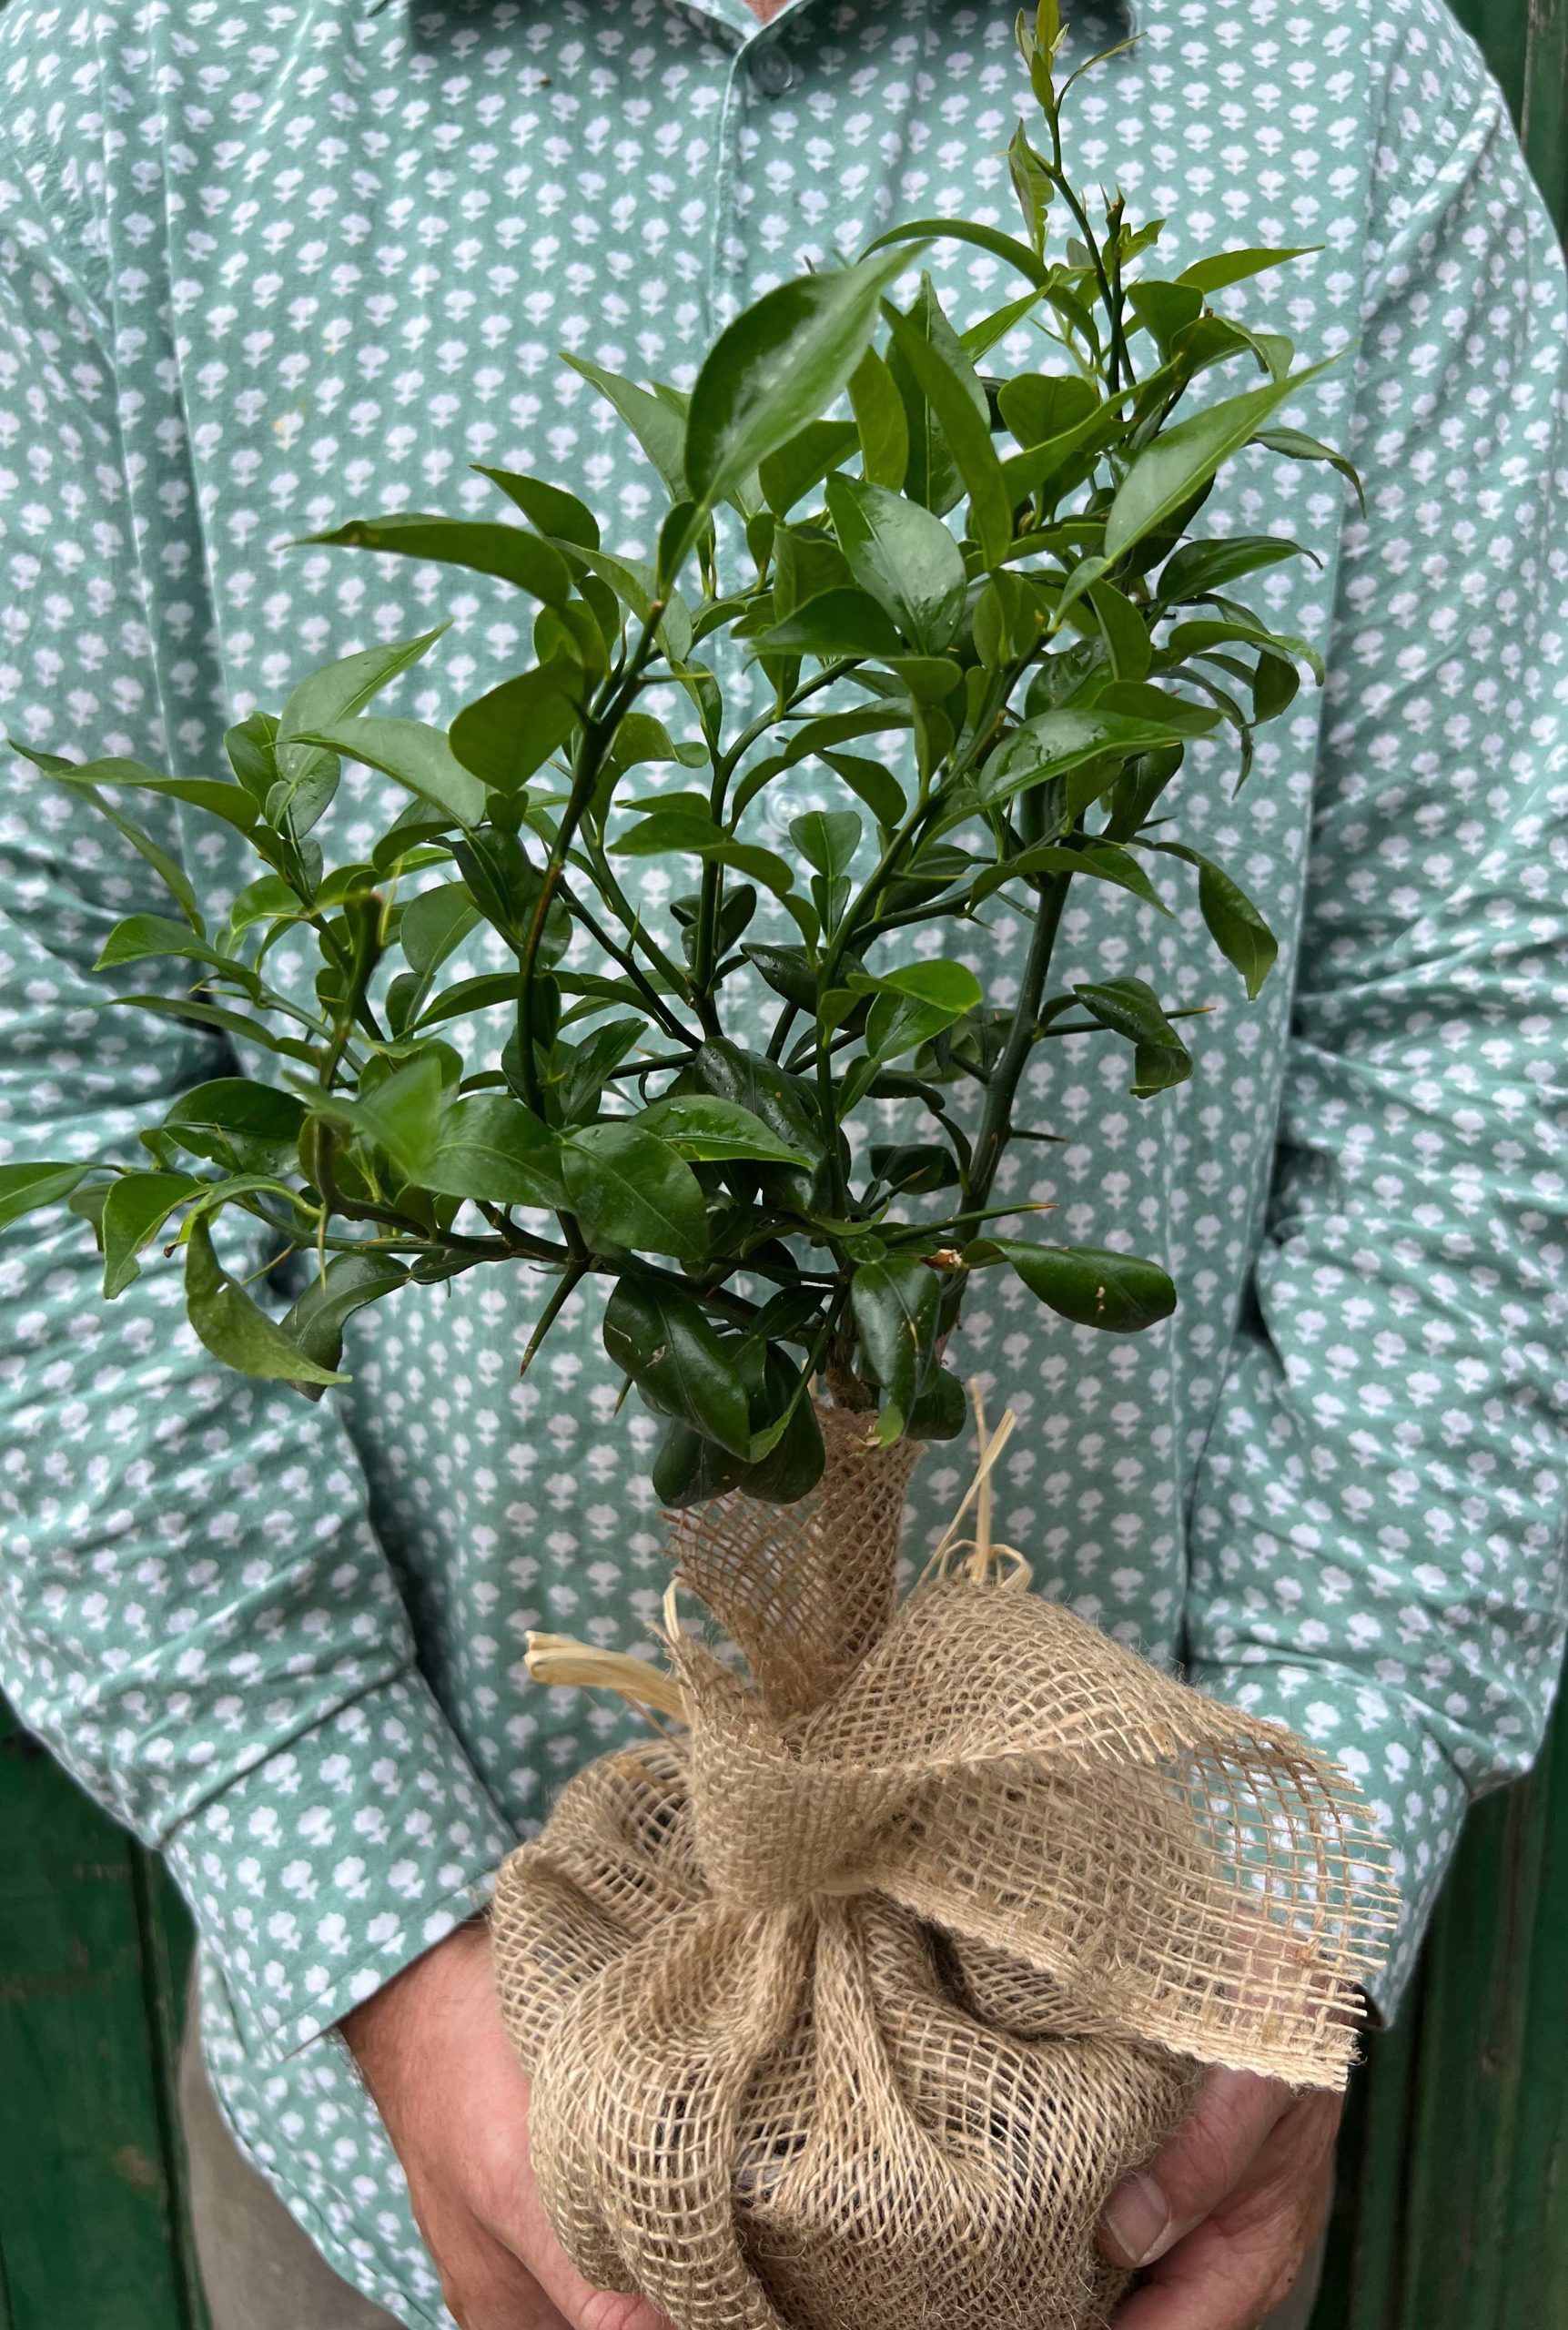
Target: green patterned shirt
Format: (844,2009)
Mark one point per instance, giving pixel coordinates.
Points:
(269,264)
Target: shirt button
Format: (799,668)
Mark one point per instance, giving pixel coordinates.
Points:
(771,71)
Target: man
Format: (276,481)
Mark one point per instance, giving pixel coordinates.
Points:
(267,268)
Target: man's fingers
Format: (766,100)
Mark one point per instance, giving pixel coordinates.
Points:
(1157,2206)
(1243,2260)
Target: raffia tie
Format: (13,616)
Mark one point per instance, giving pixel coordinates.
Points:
(847,2001)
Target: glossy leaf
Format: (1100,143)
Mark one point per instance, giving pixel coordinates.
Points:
(308,773)
(708,1130)
(548,508)
(134,1209)
(791,473)
(413,755)
(777,367)
(491,1148)
(1131,1008)
(660,1337)
(1226,268)
(905,557)
(27,1189)
(1168,471)
(511,553)
(656,429)
(1119,1294)
(317,1321)
(827,839)
(896,1305)
(880,422)
(947,390)
(234,1329)
(837,623)
(511,731)
(628,1188)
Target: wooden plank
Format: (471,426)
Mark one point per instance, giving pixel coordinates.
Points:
(86,2199)
(1526,45)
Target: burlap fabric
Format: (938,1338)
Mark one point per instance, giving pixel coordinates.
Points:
(847,2008)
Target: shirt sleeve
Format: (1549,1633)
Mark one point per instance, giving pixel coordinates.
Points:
(1378,1526)
(195,1612)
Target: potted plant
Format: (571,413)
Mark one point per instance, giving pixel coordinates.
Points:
(762,1100)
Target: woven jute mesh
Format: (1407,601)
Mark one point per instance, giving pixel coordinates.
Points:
(847,2007)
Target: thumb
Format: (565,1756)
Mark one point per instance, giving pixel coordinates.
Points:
(1155,2207)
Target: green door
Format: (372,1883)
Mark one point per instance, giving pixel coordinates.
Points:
(1453,2199)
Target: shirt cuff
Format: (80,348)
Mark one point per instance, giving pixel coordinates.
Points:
(1416,1796)
(330,1866)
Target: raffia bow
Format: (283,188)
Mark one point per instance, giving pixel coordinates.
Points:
(850,2002)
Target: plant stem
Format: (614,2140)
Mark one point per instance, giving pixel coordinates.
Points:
(997,1115)
(598,735)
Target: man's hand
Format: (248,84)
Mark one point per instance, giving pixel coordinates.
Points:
(1228,2213)
(436,2058)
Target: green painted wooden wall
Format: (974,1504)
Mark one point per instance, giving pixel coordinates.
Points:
(1453,2211)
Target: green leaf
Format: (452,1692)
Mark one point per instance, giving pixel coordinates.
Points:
(903,557)
(880,422)
(546,507)
(785,1105)
(1297,447)
(414,755)
(1131,1008)
(777,367)
(491,1148)
(827,839)
(1226,268)
(942,1409)
(145,937)
(317,1321)
(916,1168)
(1233,922)
(932,476)
(966,230)
(307,772)
(1163,309)
(168,868)
(870,781)
(246,1126)
(708,1130)
(895,1303)
(689,1470)
(511,553)
(434,924)
(231,1326)
(1039,406)
(1201,567)
(1056,744)
(947,390)
(511,731)
(916,1004)
(399,1115)
(628,1188)
(505,884)
(212,1015)
(134,1208)
(659,1337)
(27,1189)
(804,461)
(656,429)
(835,625)
(1171,468)
(1118,1293)
(1103,861)
(795,1462)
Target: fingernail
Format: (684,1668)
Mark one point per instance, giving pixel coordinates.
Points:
(1137,2218)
